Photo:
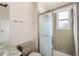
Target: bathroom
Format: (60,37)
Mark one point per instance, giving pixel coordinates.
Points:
(39,28)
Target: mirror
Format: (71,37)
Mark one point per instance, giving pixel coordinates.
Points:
(4,23)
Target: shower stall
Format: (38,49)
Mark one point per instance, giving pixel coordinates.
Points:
(56,32)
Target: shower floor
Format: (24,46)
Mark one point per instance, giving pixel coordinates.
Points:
(57,53)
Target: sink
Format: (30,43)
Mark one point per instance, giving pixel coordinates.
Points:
(3,52)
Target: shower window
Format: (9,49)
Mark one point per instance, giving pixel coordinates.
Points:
(63,20)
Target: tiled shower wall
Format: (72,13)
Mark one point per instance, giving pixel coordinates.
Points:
(64,40)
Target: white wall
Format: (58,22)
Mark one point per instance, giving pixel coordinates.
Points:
(35,27)
(25,15)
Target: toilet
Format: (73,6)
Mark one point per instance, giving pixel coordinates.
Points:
(34,54)
(28,49)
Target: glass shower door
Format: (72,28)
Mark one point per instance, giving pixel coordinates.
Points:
(45,34)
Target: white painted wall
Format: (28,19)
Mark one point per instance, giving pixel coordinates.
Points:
(35,27)
(24,30)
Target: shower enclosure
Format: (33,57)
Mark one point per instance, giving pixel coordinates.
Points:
(56,32)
